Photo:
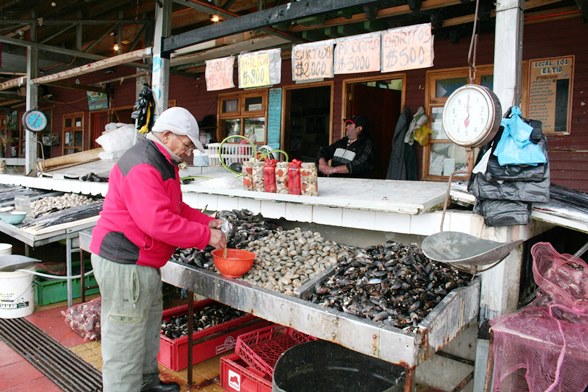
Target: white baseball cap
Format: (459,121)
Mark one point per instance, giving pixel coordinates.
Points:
(181,122)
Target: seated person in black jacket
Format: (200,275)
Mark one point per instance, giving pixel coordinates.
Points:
(351,156)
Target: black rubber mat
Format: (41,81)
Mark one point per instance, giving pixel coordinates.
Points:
(59,364)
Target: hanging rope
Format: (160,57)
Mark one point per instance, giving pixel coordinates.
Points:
(473,46)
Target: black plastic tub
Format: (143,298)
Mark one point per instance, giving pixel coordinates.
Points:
(323,366)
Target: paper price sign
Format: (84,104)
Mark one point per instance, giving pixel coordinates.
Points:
(360,53)
(254,70)
(313,60)
(219,73)
(406,48)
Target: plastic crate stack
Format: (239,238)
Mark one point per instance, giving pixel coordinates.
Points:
(231,153)
(251,367)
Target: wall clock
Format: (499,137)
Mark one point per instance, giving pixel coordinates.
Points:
(34,120)
(471,115)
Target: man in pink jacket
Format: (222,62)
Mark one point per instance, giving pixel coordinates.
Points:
(142,222)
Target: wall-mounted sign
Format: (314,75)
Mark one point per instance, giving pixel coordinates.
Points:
(219,73)
(97,101)
(550,92)
(357,54)
(259,69)
(313,60)
(409,47)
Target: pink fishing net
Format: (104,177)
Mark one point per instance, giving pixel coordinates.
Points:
(544,346)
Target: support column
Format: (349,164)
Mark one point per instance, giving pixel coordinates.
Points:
(30,138)
(160,67)
(500,285)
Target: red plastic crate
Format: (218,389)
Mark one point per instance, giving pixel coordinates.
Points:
(262,348)
(236,376)
(207,343)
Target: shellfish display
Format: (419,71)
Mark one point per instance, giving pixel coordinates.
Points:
(206,317)
(391,284)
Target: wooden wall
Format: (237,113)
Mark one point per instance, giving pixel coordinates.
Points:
(568,153)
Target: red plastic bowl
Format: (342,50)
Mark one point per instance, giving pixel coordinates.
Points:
(236,264)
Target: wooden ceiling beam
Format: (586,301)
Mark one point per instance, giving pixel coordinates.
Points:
(258,20)
(382,13)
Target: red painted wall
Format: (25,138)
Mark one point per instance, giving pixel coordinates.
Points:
(568,153)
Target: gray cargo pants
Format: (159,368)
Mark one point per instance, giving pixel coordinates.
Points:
(131,322)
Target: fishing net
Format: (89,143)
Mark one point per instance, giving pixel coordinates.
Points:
(544,346)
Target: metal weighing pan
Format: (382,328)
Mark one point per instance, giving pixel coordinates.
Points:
(10,263)
(466,252)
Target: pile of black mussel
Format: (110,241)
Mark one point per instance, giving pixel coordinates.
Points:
(391,284)
(205,317)
(246,227)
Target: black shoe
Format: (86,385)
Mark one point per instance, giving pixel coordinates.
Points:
(163,387)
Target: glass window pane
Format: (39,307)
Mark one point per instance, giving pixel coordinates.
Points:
(230,128)
(253,104)
(78,139)
(446,158)
(230,106)
(487,81)
(68,122)
(255,129)
(444,87)
(437,131)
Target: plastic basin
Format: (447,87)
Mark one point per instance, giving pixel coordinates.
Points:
(13,217)
(236,264)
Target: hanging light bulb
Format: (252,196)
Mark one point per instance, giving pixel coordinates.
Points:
(115,47)
(214,18)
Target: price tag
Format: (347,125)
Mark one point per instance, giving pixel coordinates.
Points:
(357,54)
(406,48)
(219,73)
(313,60)
(254,70)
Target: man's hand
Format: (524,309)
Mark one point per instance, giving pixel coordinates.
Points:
(217,239)
(215,224)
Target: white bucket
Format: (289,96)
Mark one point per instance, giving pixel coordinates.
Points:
(5,249)
(16,293)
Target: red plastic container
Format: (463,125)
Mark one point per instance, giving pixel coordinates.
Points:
(262,348)
(236,376)
(207,343)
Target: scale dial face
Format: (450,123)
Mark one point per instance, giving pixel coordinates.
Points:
(471,115)
(34,120)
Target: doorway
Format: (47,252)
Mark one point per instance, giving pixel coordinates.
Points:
(380,100)
(307,121)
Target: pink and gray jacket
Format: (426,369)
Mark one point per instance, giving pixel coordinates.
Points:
(144,219)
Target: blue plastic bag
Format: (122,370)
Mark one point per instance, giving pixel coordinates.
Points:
(514,146)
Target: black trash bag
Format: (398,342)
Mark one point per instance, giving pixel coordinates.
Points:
(143,110)
(528,191)
(503,212)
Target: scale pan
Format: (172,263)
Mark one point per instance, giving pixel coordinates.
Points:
(464,249)
(10,263)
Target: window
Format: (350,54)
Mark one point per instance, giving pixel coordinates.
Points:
(73,133)
(243,114)
(441,157)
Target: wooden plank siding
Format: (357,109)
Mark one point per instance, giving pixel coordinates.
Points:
(568,153)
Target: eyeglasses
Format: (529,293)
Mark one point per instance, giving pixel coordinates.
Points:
(188,148)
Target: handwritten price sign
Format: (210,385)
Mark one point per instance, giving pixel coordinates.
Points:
(313,60)
(254,70)
(360,53)
(408,47)
(219,73)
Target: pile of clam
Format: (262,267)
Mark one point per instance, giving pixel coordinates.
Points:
(288,258)
(58,203)
(205,317)
(393,284)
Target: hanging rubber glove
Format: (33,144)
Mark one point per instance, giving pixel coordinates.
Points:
(144,110)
